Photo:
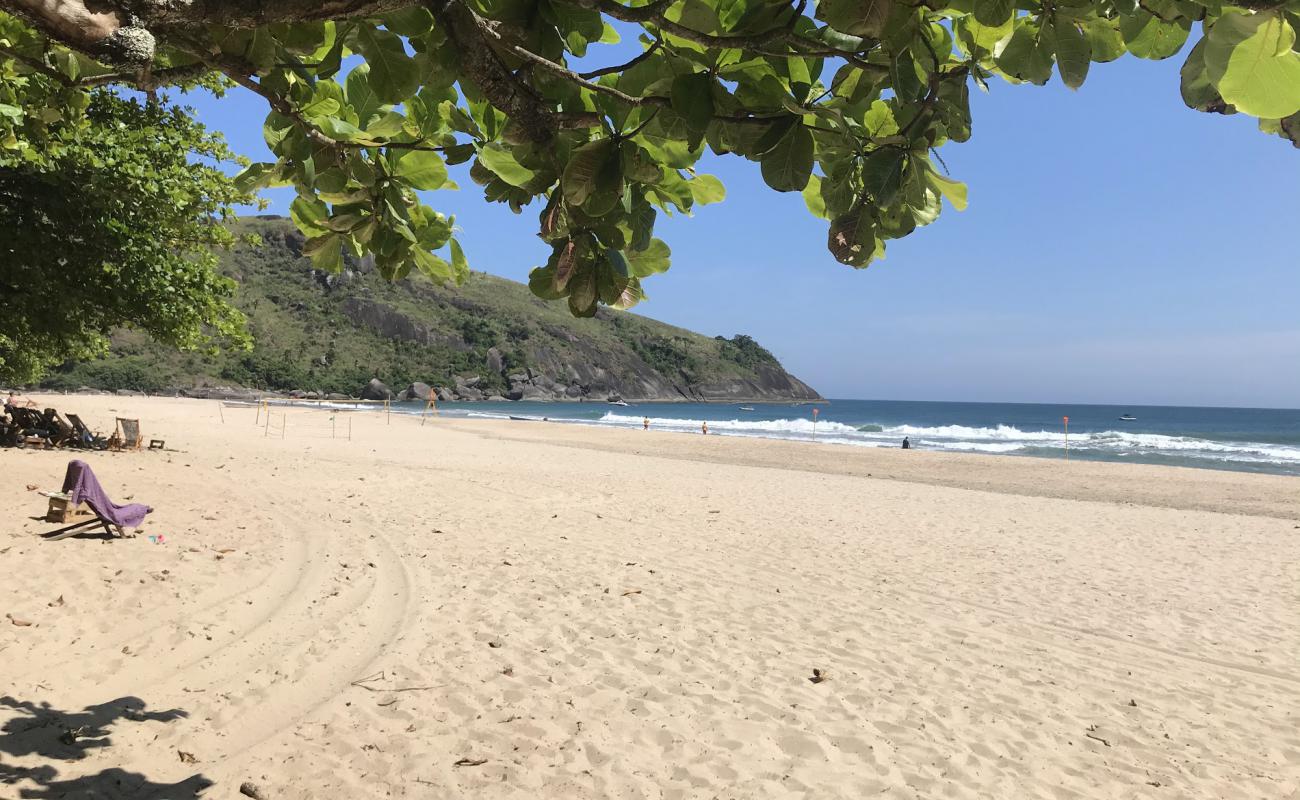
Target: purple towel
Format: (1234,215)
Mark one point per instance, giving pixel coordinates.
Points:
(81,485)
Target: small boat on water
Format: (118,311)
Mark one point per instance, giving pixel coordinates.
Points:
(1128,418)
(617,403)
(746,408)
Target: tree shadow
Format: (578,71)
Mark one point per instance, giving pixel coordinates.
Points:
(38,729)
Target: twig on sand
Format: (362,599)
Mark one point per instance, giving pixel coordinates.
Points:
(631,591)
(1090,735)
(361,682)
(470,762)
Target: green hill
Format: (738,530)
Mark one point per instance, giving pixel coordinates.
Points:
(491,337)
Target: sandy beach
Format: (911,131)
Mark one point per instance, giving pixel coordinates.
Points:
(488,609)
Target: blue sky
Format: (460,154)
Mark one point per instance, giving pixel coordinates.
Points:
(1118,248)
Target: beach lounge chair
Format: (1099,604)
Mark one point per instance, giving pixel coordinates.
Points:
(61,431)
(30,427)
(127,436)
(81,486)
(85,436)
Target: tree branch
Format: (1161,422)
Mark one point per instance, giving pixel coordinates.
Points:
(69,21)
(470,33)
(649,51)
(37,65)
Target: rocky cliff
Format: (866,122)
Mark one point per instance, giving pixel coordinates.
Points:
(354,333)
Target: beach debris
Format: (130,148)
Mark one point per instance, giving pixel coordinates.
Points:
(70,735)
(380,675)
(186,758)
(249,789)
(509,672)
(1092,729)
(55,603)
(22,623)
(819,675)
(1133,703)
(631,591)
(470,762)
(494,643)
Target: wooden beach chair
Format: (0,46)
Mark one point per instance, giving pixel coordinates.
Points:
(80,486)
(127,436)
(61,431)
(85,436)
(30,426)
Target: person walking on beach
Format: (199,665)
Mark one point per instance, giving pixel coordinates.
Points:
(907,445)
(704,428)
(645,424)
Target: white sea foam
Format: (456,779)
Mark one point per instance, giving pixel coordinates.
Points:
(775,426)
(963,438)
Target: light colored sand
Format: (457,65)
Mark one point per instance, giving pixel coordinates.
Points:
(990,626)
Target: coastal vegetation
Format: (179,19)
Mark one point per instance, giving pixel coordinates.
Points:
(332,333)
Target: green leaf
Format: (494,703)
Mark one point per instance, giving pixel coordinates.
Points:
(257,176)
(852,237)
(309,215)
(582,293)
(393,77)
(1073,52)
(882,174)
(1197,90)
(692,99)
(856,17)
(1104,39)
(707,189)
(502,163)
(422,169)
(412,21)
(1150,37)
(541,282)
(323,107)
(360,96)
(1249,59)
(954,191)
(632,295)
(1025,56)
(787,167)
(994,13)
(812,197)
(586,163)
(650,261)
(459,265)
(325,252)
(431,265)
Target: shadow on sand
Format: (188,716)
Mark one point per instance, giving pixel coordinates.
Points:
(38,729)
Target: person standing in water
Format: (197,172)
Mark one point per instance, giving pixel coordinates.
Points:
(907,445)
(645,424)
(704,428)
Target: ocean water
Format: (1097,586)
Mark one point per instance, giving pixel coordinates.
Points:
(1246,439)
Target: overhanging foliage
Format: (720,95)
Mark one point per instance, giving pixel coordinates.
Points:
(845,101)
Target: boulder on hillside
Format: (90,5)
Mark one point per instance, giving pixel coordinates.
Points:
(496,398)
(417,391)
(445,395)
(494,361)
(376,390)
(515,393)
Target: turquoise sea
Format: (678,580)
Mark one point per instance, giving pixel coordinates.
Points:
(1247,439)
